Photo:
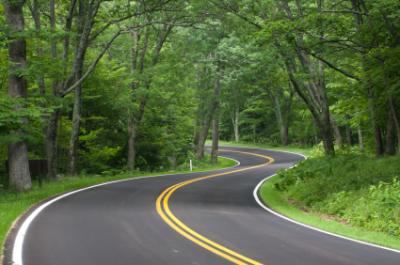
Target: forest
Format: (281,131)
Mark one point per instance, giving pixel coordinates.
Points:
(93,91)
(93,86)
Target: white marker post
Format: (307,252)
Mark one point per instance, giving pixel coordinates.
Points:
(190,165)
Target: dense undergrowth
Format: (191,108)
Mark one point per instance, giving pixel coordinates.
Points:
(360,190)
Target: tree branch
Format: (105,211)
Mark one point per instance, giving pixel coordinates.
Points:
(331,65)
(234,12)
(92,66)
(121,19)
(349,11)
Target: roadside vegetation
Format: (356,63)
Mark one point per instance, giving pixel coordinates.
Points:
(350,194)
(13,204)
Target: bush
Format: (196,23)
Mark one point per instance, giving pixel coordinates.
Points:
(362,190)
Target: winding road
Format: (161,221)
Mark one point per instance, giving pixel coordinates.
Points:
(207,218)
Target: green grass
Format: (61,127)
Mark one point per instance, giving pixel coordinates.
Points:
(12,204)
(278,202)
(307,151)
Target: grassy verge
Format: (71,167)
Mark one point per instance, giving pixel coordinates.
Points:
(350,195)
(307,151)
(12,204)
(278,202)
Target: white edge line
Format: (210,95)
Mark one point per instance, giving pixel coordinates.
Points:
(265,207)
(237,161)
(23,229)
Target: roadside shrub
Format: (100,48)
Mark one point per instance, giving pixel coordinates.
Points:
(361,190)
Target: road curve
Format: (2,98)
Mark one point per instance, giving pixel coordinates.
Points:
(216,221)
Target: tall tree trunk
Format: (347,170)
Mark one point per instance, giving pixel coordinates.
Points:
(138,64)
(202,137)
(205,112)
(325,131)
(84,29)
(314,93)
(52,123)
(316,137)
(133,125)
(337,133)
(236,124)
(51,144)
(348,135)
(254,133)
(131,144)
(285,133)
(282,119)
(327,137)
(279,117)
(203,121)
(286,119)
(215,138)
(74,140)
(18,166)
(396,121)
(34,7)
(215,115)
(390,147)
(360,139)
(87,12)
(132,128)
(18,163)
(359,18)
(317,103)
(379,149)
(131,156)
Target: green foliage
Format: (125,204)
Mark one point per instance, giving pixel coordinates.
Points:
(376,208)
(13,117)
(362,190)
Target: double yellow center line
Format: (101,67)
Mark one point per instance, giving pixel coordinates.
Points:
(175,223)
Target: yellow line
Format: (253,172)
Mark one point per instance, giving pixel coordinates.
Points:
(193,239)
(181,228)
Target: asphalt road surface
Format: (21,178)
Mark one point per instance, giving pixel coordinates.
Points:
(207,218)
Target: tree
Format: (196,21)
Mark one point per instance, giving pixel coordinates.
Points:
(139,52)
(18,162)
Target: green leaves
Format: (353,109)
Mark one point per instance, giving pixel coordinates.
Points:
(13,118)
(362,191)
